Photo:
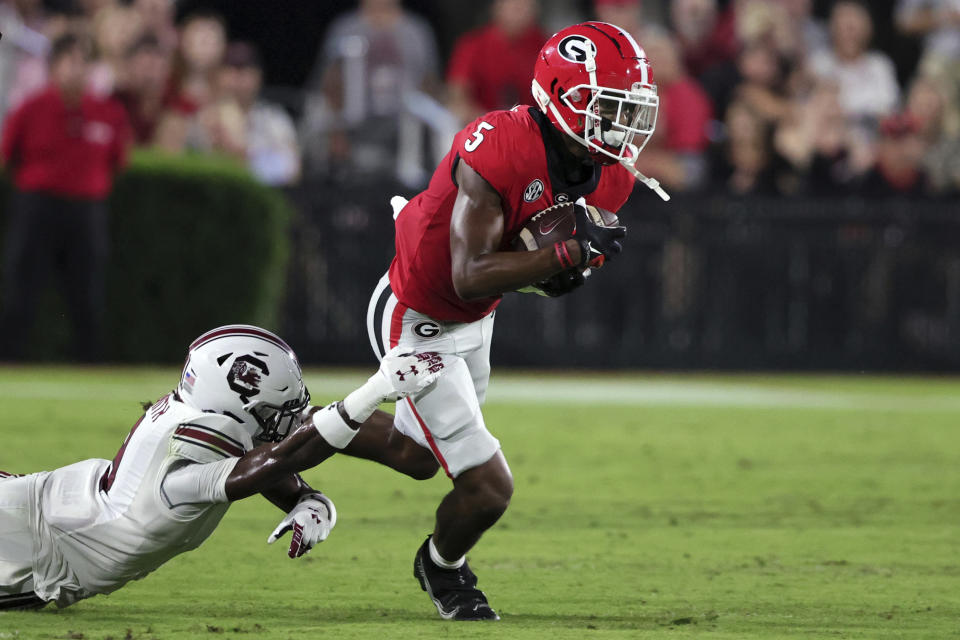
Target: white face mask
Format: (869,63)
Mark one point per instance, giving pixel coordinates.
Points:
(615,118)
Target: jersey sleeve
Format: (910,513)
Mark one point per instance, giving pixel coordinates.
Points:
(209,437)
(617,185)
(494,146)
(192,483)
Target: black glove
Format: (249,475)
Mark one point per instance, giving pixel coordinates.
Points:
(561,283)
(595,240)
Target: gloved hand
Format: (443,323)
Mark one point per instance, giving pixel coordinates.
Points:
(595,240)
(562,283)
(408,372)
(311,520)
(403,372)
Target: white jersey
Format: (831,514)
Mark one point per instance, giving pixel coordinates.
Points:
(100,524)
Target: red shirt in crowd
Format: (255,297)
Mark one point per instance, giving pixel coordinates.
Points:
(495,67)
(685,112)
(70,151)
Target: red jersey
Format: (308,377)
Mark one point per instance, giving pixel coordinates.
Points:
(63,150)
(507,149)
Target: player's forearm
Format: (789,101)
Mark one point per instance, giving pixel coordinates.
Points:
(329,429)
(493,274)
(286,493)
(326,431)
(261,469)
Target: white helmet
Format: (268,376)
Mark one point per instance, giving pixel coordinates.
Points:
(249,374)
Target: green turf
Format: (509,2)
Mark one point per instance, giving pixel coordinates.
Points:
(645,507)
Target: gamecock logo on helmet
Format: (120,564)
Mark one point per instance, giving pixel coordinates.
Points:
(245,375)
(574,48)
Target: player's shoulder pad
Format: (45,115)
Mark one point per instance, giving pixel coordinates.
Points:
(499,145)
(209,437)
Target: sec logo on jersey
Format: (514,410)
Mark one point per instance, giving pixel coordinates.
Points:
(533,191)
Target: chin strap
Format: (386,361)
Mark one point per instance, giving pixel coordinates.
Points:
(651,183)
(545,103)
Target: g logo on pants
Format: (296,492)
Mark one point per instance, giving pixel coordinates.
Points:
(426,329)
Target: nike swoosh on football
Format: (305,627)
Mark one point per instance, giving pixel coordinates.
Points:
(544,230)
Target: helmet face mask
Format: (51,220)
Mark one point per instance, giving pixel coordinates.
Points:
(276,422)
(614,119)
(594,83)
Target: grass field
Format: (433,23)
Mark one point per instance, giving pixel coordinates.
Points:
(645,507)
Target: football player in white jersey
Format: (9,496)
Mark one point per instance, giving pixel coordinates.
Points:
(91,527)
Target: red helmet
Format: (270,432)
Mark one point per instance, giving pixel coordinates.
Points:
(594,83)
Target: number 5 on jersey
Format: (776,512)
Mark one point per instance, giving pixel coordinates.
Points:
(471,145)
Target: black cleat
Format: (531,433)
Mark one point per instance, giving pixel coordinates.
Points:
(453,591)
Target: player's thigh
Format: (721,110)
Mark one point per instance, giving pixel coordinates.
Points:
(448,417)
(16,535)
(478,360)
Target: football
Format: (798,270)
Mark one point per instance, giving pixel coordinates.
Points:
(555,224)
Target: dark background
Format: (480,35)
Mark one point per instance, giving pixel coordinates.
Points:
(289,32)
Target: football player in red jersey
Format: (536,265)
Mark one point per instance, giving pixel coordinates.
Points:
(596,109)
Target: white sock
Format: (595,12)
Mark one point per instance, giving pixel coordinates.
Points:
(440,562)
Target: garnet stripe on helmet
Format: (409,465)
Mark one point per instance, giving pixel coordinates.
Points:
(240,330)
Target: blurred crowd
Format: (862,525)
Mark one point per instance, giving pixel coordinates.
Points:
(185,86)
(757,96)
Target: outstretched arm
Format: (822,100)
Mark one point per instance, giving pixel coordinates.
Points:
(271,469)
(287,492)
